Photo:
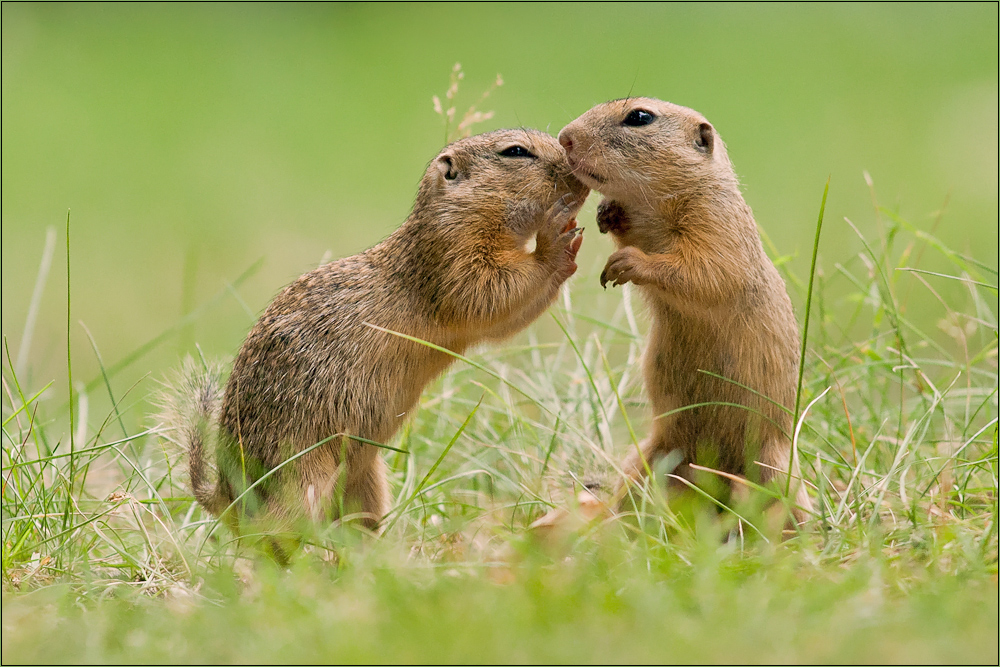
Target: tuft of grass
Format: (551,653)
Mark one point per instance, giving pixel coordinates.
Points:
(447,109)
(103,545)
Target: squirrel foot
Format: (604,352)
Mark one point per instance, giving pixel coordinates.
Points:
(628,265)
(559,239)
(612,217)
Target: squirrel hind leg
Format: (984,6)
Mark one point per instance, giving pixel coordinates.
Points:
(639,461)
(364,491)
(775,473)
(369,487)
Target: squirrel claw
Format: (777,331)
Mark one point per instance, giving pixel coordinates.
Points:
(624,266)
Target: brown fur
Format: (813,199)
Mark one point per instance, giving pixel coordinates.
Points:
(688,240)
(456,273)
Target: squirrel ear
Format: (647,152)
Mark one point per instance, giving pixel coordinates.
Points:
(705,140)
(446,165)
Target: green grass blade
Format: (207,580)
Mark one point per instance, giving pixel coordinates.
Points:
(805,323)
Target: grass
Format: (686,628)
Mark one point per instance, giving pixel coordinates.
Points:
(106,558)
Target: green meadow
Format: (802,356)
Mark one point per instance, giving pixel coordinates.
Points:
(166,169)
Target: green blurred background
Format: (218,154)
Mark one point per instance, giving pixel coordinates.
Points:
(192,140)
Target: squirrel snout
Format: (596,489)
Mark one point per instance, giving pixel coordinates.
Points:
(566,140)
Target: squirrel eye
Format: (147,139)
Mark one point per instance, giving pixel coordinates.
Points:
(516,151)
(638,117)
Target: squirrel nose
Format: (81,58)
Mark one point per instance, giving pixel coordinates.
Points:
(566,140)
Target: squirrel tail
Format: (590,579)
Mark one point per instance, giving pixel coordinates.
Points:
(190,407)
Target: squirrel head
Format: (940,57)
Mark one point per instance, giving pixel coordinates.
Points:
(499,182)
(641,151)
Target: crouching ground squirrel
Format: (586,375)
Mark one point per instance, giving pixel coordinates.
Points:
(722,330)
(318,365)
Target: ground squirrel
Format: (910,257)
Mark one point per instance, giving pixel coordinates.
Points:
(688,240)
(316,365)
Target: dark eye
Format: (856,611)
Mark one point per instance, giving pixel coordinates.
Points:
(516,151)
(638,117)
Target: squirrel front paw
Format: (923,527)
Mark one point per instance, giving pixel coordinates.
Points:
(612,217)
(559,239)
(627,265)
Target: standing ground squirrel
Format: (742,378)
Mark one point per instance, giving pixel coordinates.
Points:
(689,241)
(316,365)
